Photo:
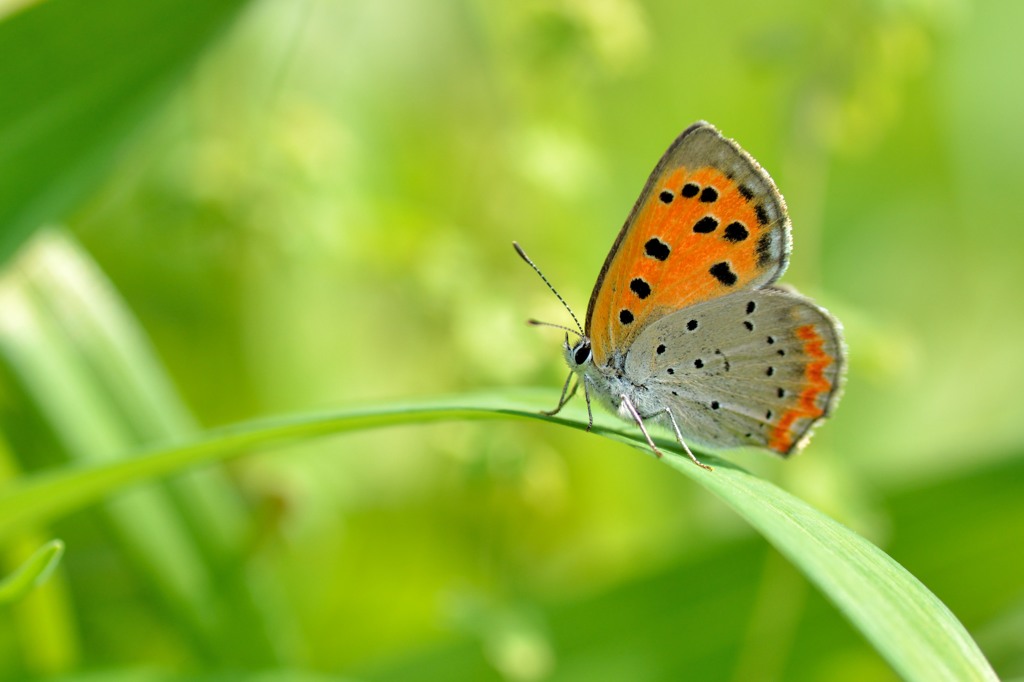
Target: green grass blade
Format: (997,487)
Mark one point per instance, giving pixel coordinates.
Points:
(31,573)
(904,620)
(49,495)
(908,625)
(78,78)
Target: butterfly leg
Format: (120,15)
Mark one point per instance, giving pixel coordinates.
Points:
(640,422)
(564,397)
(679,437)
(590,413)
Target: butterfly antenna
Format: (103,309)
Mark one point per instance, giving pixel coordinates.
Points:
(522,254)
(538,323)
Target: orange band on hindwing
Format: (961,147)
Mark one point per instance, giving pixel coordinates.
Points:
(782,438)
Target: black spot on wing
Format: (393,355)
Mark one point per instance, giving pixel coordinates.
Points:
(705,225)
(689,190)
(762,215)
(655,248)
(640,287)
(709,195)
(666,196)
(723,273)
(736,232)
(625,316)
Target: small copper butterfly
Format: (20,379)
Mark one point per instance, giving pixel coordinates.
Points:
(684,327)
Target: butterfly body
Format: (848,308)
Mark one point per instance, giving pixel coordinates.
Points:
(684,326)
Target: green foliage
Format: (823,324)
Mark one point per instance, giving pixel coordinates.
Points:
(315,208)
(77,81)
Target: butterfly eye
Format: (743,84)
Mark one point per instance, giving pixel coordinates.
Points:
(581,353)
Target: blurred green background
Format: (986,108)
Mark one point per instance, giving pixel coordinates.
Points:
(217,210)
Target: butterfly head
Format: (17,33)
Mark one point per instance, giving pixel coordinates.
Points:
(579,353)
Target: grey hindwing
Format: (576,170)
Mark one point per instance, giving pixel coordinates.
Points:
(730,367)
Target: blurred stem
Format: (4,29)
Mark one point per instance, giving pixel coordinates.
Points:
(39,603)
(32,572)
(48,639)
(85,363)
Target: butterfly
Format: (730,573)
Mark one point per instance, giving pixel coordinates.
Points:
(684,327)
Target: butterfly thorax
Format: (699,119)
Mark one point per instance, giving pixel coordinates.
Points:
(607,382)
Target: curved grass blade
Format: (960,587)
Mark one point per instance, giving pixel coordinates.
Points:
(908,625)
(33,572)
(905,622)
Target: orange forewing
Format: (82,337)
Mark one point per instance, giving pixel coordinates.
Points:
(684,277)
